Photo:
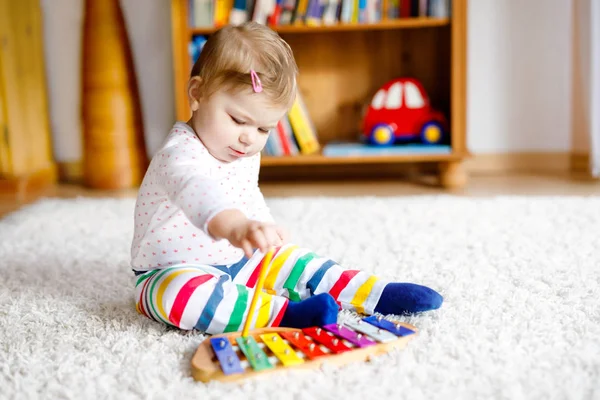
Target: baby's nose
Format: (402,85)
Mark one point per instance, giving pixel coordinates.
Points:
(247,138)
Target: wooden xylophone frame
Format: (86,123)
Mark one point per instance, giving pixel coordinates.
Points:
(206,367)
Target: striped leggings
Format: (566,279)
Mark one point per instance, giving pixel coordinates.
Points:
(215,299)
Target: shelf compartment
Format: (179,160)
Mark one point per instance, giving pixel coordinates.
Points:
(400,23)
(268,161)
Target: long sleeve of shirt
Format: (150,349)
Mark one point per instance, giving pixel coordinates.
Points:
(192,187)
(183,189)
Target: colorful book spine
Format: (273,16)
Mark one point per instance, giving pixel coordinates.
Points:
(238,14)
(289,133)
(274,18)
(313,13)
(221,14)
(216,13)
(303,128)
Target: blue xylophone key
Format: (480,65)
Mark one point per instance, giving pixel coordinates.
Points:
(374,332)
(230,362)
(398,330)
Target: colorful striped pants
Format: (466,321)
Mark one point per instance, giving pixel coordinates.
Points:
(215,299)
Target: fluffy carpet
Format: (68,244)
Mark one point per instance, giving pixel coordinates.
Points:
(520,277)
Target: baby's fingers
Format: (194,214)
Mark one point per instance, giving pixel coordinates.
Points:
(247,247)
(272,236)
(283,234)
(257,237)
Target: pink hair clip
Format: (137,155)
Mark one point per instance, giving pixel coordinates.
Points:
(256,84)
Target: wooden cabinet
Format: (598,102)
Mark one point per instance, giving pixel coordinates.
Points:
(26,161)
(342,66)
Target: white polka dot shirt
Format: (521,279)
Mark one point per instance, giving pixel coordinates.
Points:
(182,190)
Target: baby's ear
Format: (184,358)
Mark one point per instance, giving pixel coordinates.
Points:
(194,91)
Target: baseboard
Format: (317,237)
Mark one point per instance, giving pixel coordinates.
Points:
(530,162)
(476,164)
(580,163)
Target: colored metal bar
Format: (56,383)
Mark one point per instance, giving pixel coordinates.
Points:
(281,349)
(396,329)
(332,342)
(376,333)
(228,359)
(310,349)
(254,354)
(356,338)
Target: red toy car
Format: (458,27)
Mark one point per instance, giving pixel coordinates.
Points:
(400,112)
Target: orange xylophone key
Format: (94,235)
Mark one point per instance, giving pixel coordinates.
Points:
(302,342)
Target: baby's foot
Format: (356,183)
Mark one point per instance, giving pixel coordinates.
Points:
(407,298)
(318,310)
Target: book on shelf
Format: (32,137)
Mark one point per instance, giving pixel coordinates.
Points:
(216,13)
(295,134)
(195,47)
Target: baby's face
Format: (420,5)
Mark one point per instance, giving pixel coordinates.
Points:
(237,125)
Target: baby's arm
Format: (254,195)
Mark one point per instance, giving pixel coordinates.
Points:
(205,202)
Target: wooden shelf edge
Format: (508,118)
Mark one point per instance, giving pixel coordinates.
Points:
(400,23)
(268,161)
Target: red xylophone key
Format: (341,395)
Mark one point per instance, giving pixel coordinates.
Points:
(302,342)
(333,343)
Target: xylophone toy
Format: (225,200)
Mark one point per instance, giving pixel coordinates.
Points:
(237,356)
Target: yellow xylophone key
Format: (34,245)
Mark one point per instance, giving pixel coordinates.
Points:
(281,349)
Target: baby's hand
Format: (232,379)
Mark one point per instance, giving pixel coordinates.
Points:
(245,233)
(255,234)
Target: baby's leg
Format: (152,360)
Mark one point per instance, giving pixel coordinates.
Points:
(193,297)
(298,274)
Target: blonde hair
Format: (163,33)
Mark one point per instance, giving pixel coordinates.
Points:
(231,52)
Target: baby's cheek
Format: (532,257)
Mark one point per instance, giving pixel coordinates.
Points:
(262,142)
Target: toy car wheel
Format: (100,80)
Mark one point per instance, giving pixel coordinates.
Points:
(382,135)
(432,133)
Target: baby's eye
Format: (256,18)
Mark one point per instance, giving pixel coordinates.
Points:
(237,121)
(263,130)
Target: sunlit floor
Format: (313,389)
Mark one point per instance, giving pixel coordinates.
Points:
(494,185)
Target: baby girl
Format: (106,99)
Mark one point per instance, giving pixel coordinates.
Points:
(202,226)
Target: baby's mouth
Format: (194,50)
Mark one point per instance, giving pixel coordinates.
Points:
(239,153)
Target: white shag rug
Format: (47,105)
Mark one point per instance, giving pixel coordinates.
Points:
(520,277)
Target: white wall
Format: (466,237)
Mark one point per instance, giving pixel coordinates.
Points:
(519,73)
(63,21)
(149,29)
(581,76)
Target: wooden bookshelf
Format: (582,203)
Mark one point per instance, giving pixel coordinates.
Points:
(342,66)
(386,24)
(319,159)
